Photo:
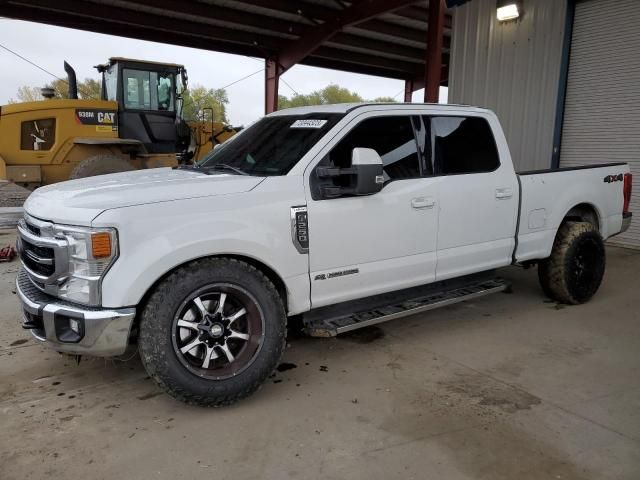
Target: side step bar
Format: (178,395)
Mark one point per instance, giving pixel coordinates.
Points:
(332,326)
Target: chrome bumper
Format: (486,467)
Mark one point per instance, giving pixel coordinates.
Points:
(102,332)
(626,221)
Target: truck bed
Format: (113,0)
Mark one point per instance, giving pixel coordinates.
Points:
(547,196)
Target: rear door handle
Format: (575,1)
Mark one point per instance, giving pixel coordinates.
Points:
(504,193)
(423,202)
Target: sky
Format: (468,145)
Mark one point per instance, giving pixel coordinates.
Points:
(48,46)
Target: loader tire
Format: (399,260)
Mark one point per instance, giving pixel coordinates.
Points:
(205,349)
(100,165)
(573,273)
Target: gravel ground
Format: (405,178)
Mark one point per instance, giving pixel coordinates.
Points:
(12,195)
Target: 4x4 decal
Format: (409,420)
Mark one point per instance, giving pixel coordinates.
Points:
(614,178)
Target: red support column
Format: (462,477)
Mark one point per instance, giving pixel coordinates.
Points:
(271,81)
(408,90)
(434,51)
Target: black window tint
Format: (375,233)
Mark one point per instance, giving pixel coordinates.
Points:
(391,137)
(463,145)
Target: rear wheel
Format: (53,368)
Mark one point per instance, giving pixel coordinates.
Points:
(573,273)
(100,165)
(212,332)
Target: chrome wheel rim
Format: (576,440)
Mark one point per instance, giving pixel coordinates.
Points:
(218,331)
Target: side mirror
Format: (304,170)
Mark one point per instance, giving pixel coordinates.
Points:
(367,167)
(364,177)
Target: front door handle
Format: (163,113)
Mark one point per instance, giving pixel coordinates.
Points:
(504,193)
(423,202)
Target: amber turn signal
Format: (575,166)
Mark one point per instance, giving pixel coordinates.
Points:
(100,245)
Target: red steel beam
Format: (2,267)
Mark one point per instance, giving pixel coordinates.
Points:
(271,81)
(433,69)
(408,90)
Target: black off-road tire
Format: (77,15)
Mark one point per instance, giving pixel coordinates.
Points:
(573,273)
(100,165)
(156,346)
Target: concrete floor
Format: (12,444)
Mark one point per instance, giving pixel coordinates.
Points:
(506,387)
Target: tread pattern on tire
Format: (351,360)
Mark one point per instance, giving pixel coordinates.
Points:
(100,165)
(154,357)
(552,272)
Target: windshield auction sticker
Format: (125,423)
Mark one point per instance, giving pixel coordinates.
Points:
(309,123)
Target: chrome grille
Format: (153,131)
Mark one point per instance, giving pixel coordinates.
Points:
(33,229)
(43,256)
(39,259)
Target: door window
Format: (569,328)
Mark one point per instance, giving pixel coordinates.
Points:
(144,90)
(391,137)
(462,145)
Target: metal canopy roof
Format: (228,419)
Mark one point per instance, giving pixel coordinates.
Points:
(387,38)
(403,39)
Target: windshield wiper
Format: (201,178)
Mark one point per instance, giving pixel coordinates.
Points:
(224,166)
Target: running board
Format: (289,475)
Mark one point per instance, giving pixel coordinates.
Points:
(332,326)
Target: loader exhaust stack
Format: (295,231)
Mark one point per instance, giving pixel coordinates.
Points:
(73,83)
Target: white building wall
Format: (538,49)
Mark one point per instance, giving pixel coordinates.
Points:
(602,109)
(512,68)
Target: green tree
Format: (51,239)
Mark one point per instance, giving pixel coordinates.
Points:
(88,89)
(332,93)
(198,99)
(27,94)
(384,100)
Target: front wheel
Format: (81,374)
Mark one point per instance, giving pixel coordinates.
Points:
(573,273)
(212,332)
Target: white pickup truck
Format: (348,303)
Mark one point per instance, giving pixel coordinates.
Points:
(342,216)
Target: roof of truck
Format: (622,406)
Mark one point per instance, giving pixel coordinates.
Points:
(348,107)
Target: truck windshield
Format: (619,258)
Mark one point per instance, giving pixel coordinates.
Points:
(272,145)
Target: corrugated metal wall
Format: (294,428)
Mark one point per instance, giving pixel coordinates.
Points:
(512,68)
(602,110)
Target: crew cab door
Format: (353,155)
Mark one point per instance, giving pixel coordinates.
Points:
(478,195)
(365,245)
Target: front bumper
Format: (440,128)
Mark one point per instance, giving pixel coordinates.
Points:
(102,332)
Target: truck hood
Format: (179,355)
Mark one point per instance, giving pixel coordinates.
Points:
(78,202)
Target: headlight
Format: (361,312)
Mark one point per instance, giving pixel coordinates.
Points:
(91,252)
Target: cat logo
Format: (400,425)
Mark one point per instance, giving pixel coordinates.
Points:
(107,117)
(96,117)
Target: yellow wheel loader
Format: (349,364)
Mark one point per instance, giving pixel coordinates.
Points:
(136,124)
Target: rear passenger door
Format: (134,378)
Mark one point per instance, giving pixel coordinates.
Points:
(365,245)
(478,197)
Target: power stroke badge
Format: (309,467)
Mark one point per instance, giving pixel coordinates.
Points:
(341,273)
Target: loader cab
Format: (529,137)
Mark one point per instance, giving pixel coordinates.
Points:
(148,96)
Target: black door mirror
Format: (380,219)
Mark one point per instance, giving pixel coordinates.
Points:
(367,167)
(364,177)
